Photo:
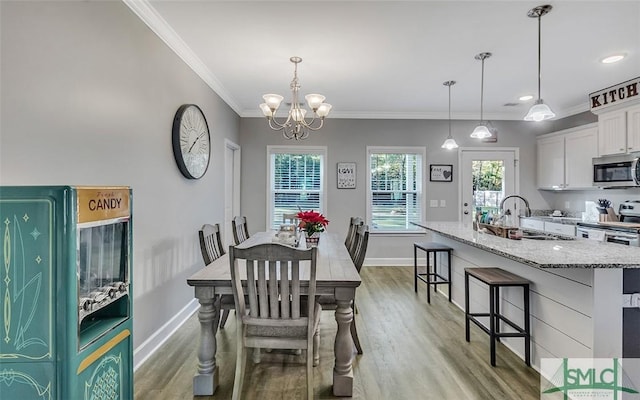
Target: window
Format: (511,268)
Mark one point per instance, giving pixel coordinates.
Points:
(394,195)
(296,181)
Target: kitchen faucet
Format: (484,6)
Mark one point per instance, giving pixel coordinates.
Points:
(527,210)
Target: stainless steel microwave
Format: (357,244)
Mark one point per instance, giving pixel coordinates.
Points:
(616,171)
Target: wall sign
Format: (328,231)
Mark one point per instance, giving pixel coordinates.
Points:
(346,175)
(441,173)
(615,95)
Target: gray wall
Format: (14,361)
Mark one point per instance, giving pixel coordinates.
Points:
(347,140)
(88,98)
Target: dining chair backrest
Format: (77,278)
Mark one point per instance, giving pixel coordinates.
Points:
(275,318)
(210,243)
(354,223)
(240,231)
(290,219)
(361,243)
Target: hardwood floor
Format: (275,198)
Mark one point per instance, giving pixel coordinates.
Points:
(412,350)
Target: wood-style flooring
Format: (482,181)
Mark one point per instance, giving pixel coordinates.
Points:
(412,350)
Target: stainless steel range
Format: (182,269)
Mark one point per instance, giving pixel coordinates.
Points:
(627,231)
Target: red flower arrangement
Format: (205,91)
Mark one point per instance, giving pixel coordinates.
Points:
(312,222)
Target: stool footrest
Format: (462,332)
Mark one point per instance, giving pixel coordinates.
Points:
(521,332)
(442,280)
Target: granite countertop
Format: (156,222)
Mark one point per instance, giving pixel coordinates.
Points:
(579,253)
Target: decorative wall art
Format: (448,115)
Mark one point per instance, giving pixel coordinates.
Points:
(441,173)
(346,175)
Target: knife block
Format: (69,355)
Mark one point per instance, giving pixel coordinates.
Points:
(610,216)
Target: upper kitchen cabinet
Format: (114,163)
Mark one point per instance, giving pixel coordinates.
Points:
(619,131)
(565,158)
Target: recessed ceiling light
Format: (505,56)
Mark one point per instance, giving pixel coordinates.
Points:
(613,58)
(525,98)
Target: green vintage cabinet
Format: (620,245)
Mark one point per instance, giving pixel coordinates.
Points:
(65,290)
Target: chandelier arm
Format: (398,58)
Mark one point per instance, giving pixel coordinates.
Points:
(275,125)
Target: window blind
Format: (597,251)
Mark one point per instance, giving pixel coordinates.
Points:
(296,184)
(395,191)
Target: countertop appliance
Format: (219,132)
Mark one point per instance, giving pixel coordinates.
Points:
(627,231)
(616,171)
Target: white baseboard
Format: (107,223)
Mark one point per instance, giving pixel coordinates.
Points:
(388,262)
(146,349)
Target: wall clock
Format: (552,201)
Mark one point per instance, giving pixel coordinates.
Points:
(191,141)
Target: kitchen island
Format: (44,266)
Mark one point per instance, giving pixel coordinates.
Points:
(576,292)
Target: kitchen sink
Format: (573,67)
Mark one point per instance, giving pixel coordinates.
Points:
(534,235)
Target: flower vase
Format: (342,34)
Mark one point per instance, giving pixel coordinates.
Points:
(313,239)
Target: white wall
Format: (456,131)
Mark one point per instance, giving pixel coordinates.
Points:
(347,140)
(88,98)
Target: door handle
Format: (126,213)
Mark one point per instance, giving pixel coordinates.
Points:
(466,213)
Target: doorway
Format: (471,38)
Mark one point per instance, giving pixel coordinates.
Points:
(231,187)
(487,176)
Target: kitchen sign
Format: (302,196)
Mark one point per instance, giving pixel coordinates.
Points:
(615,95)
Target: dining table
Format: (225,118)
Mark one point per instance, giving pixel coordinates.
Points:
(336,278)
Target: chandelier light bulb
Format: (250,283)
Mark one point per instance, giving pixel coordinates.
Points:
(450,144)
(273,100)
(314,100)
(296,126)
(481,132)
(323,110)
(539,112)
(266,110)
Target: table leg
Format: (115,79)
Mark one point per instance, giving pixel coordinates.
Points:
(343,349)
(205,381)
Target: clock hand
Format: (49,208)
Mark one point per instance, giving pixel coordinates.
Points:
(196,141)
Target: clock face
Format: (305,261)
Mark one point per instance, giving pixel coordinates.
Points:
(191,141)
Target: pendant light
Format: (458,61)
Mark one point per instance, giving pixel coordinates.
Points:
(450,143)
(482,131)
(539,111)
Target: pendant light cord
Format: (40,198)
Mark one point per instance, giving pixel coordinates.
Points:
(482,91)
(539,54)
(449,111)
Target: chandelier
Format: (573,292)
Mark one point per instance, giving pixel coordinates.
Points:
(296,126)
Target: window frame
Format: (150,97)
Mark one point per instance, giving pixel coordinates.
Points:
(316,150)
(420,185)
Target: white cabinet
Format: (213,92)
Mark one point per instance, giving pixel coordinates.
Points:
(561,229)
(619,131)
(565,158)
(532,223)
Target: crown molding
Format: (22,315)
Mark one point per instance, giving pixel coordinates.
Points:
(145,11)
(513,116)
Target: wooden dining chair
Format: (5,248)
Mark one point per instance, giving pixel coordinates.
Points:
(290,219)
(361,241)
(240,231)
(212,249)
(277,315)
(354,223)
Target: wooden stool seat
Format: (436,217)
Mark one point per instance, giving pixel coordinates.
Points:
(496,278)
(431,248)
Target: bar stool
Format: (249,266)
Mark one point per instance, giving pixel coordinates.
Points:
(429,248)
(497,278)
